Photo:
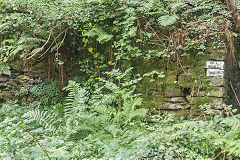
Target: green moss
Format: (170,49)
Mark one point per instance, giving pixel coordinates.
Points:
(188,61)
(170,91)
(170,80)
(196,113)
(198,101)
(143,66)
(177,113)
(186,81)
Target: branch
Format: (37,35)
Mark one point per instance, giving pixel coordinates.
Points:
(232,7)
(51,44)
(235,94)
(50,34)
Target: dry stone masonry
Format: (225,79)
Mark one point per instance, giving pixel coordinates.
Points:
(187,91)
(12,85)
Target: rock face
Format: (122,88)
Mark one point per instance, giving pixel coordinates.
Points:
(199,85)
(10,86)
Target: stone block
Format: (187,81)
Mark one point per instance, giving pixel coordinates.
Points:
(200,93)
(178,114)
(217,104)
(210,102)
(195,112)
(201,57)
(217,56)
(216,92)
(175,100)
(23,77)
(171,106)
(216,81)
(173,92)
(199,101)
(181,114)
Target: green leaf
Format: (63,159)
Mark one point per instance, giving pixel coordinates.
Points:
(103,37)
(167,20)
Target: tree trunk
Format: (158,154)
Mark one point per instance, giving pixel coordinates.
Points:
(232,7)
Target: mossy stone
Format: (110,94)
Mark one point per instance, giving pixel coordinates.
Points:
(216,81)
(178,114)
(188,61)
(186,81)
(217,56)
(173,92)
(216,92)
(175,100)
(23,77)
(195,112)
(202,57)
(196,102)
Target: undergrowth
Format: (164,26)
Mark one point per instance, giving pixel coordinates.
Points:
(109,124)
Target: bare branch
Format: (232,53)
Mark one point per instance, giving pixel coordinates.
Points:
(50,34)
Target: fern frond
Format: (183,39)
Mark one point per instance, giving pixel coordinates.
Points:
(43,118)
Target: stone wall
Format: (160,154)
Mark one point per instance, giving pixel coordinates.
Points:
(187,88)
(14,85)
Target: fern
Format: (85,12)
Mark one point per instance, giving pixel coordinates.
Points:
(43,118)
(129,111)
(100,33)
(76,109)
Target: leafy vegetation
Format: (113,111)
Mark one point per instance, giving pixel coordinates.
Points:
(98,115)
(109,125)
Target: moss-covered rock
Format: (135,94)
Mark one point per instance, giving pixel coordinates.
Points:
(199,101)
(173,92)
(217,92)
(188,61)
(23,77)
(175,100)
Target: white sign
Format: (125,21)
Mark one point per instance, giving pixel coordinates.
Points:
(215,64)
(215,72)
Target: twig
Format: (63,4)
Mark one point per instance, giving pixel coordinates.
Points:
(235,93)
(218,155)
(63,38)
(44,150)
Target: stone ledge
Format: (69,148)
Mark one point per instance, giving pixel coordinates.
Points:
(175,100)
(171,106)
(216,82)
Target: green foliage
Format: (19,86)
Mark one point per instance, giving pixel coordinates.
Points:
(95,30)
(101,117)
(103,37)
(167,20)
(47,93)
(43,118)
(163,138)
